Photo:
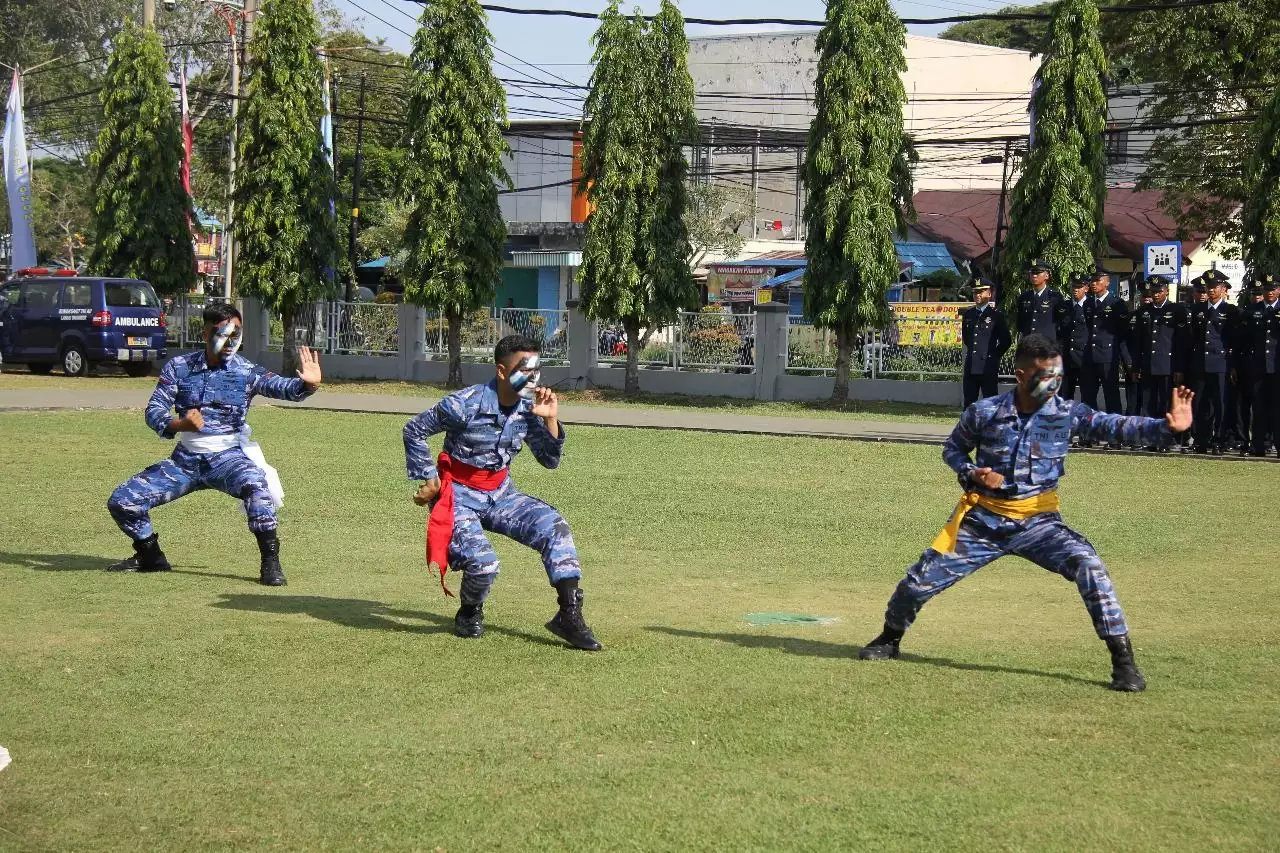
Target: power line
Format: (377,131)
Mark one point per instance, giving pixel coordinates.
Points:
(803,22)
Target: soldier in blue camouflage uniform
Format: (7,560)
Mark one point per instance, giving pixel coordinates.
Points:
(1011,506)
(211,391)
(485,427)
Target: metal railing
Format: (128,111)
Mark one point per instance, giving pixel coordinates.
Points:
(185,317)
(549,327)
(697,341)
(913,348)
(363,328)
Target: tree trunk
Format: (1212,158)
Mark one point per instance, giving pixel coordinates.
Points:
(844,352)
(455,350)
(289,352)
(634,345)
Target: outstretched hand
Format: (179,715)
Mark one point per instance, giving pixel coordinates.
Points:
(987,477)
(309,369)
(1180,416)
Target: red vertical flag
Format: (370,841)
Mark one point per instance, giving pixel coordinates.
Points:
(186,135)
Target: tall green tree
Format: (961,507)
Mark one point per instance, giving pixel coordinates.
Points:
(1261,216)
(1220,61)
(140,206)
(285,234)
(1056,207)
(853,172)
(457,110)
(638,118)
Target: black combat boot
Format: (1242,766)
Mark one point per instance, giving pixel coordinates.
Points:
(269,546)
(147,557)
(1124,672)
(568,624)
(469,622)
(882,647)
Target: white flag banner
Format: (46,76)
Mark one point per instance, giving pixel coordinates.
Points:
(17,180)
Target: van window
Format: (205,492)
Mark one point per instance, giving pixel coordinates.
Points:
(40,294)
(79,295)
(130,294)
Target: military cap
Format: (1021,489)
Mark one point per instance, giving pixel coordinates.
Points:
(1037,265)
(1157,283)
(1213,277)
(980,284)
(1079,280)
(1199,285)
(1096,272)
(1267,282)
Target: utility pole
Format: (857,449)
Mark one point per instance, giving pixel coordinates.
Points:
(755,188)
(149,14)
(355,192)
(250,11)
(1004,189)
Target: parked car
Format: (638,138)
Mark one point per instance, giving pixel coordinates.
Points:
(57,317)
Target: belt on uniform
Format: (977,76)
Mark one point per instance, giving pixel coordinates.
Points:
(1018,509)
(440,521)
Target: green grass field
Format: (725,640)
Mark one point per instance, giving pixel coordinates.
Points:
(200,711)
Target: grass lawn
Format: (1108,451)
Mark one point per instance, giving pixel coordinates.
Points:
(17,378)
(200,711)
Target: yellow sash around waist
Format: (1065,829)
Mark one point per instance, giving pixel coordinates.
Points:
(1018,509)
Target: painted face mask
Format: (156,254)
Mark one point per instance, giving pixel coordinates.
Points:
(226,340)
(524,379)
(1044,383)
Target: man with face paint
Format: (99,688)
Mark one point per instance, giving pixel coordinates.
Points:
(470,491)
(211,391)
(1010,503)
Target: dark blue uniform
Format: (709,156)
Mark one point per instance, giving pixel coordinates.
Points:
(1161,340)
(986,339)
(1259,342)
(1211,359)
(1036,312)
(1073,338)
(1107,351)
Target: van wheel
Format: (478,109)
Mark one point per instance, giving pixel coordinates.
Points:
(40,369)
(74,360)
(137,369)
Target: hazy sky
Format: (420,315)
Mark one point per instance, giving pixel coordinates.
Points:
(561,46)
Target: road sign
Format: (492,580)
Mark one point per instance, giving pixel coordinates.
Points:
(1162,259)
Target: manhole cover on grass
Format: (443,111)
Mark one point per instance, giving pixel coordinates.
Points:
(788,619)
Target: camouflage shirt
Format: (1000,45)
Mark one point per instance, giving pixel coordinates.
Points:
(222,393)
(1031,455)
(478,433)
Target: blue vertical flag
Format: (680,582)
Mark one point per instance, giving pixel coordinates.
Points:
(1031,110)
(17,178)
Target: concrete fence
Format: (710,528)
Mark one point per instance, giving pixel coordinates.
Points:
(762,375)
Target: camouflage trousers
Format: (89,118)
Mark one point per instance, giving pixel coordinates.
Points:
(230,472)
(985,536)
(517,516)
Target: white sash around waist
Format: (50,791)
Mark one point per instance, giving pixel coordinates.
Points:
(208,444)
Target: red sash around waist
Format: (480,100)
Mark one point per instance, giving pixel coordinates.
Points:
(440,521)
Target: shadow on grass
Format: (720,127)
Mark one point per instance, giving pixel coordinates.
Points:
(820,649)
(361,613)
(87,563)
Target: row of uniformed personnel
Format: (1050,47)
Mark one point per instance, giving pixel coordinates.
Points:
(1227,354)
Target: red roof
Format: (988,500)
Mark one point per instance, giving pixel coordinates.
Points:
(966,221)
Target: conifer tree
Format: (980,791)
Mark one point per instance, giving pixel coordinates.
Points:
(285,235)
(638,118)
(1056,207)
(457,110)
(141,210)
(854,173)
(1261,215)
